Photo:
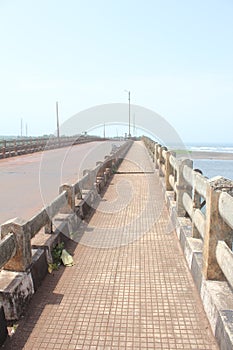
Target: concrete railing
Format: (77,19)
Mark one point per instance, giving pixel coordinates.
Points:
(191,190)
(25,251)
(202,215)
(12,148)
(16,234)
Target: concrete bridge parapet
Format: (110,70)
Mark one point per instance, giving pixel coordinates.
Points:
(201,213)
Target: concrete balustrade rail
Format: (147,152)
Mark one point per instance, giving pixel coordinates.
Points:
(201,211)
(19,249)
(12,148)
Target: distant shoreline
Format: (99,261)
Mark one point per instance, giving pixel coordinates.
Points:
(211,155)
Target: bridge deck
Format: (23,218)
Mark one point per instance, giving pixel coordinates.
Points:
(130,287)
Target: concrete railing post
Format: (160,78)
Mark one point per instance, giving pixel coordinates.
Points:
(48,227)
(216,229)
(23,257)
(91,179)
(156,156)
(114,164)
(77,191)
(107,174)
(181,186)
(196,197)
(100,179)
(162,161)
(169,171)
(101,170)
(70,207)
(160,156)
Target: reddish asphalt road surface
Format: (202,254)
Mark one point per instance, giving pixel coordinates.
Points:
(29,182)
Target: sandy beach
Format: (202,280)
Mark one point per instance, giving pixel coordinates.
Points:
(211,155)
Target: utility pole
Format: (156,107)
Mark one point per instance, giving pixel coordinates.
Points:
(104,130)
(58,131)
(26,129)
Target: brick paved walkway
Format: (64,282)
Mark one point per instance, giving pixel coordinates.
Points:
(130,287)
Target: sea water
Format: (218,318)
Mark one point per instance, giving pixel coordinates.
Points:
(213,167)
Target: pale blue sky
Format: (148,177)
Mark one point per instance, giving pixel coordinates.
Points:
(176,58)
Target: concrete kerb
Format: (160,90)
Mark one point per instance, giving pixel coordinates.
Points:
(216,296)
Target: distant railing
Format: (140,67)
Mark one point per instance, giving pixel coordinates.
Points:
(191,192)
(16,234)
(12,148)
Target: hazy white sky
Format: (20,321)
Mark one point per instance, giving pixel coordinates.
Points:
(175,56)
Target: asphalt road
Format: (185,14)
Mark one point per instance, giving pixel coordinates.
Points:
(29,182)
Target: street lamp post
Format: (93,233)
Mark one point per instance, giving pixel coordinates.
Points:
(129,111)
